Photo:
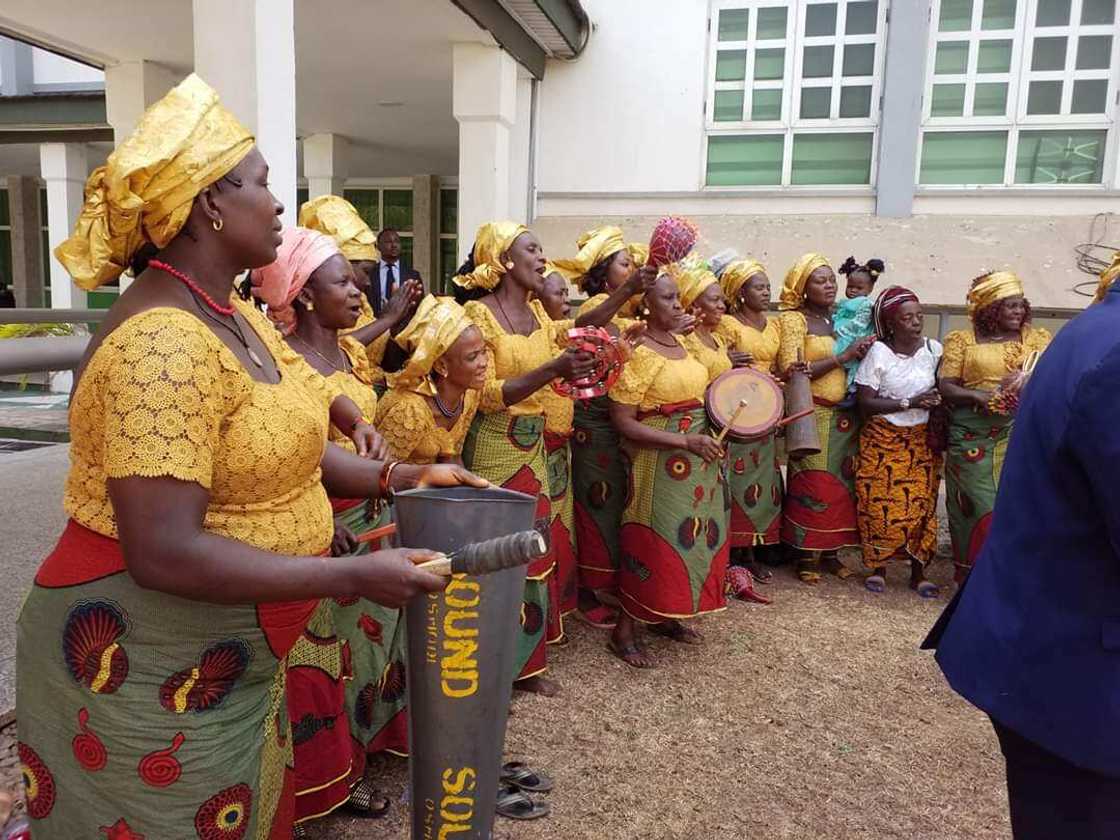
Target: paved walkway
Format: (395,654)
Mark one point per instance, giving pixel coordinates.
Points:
(34,415)
(30,522)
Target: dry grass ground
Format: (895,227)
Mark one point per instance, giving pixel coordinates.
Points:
(816,717)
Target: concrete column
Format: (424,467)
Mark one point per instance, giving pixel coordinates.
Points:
(64,166)
(130,89)
(484,101)
(901,118)
(246,49)
(425,228)
(326,164)
(17,71)
(521,138)
(27,252)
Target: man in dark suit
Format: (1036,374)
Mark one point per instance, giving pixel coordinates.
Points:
(1033,639)
(389,272)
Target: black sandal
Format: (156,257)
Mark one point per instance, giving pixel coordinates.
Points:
(363,797)
(515,804)
(521,775)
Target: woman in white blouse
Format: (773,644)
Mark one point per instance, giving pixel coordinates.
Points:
(899,473)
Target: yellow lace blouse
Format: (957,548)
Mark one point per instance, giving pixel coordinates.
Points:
(794,331)
(763,346)
(983,366)
(618,320)
(510,355)
(164,396)
(357,385)
(650,380)
(716,361)
(405,419)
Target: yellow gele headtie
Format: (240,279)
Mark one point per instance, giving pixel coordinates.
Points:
(339,219)
(793,289)
(692,277)
(145,190)
(493,240)
(995,286)
(594,247)
(736,274)
(438,322)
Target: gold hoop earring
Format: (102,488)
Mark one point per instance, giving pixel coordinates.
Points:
(218,224)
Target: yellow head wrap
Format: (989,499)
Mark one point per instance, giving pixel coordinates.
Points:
(493,240)
(639,253)
(793,289)
(735,275)
(1107,276)
(145,190)
(693,277)
(438,322)
(594,247)
(995,286)
(337,218)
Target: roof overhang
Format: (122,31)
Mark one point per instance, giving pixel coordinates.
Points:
(532,30)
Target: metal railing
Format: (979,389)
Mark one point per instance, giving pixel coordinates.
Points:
(36,355)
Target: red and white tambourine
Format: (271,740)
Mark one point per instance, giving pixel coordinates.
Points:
(609,359)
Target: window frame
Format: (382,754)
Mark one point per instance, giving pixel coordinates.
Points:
(791,124)
(1018,78)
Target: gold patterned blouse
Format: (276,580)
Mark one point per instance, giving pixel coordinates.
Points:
(619,320)
(983,366)
(405,419)
(163,396)
(716,361)
(510,355)
(794,335)
(357,385)
(761,344)
(650,380)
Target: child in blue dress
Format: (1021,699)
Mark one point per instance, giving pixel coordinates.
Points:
(852,319)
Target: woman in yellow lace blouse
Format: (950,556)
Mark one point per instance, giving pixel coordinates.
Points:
(673,538)
(197,498)
(432,401)
(339,219)
(559,413)
(819,511)
(754,475)
(506,440)
(310,289)
(976,363)
(604,263)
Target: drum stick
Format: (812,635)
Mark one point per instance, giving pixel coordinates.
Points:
(378,533)
(727,426)
(489,556)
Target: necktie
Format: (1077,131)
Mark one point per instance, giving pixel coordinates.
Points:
(389,281)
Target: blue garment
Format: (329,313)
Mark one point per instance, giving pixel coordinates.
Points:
(850,323)
(1035,636)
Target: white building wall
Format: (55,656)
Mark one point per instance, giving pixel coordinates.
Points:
(628,114)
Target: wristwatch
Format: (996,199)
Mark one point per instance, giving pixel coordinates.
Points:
(905,403)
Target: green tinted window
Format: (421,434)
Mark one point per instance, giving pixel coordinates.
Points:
(817,62)
(367,203)
(728,106)
(973,157)
(1095,12)
(832,159)
(1060,157)
(448,262)
(733,24)
(769,64)
(766,104)
(5,209)
(990,100)
(994,56)
(745,161)
(956,16)
(859,60)
(1052,13)
(448,211)
(855,101)
(771,23)
(947,101)
(731,65)
(951,57)
(398,209)
(1089,96)
(815,103)
(998,14)
(820,19)
(863,18)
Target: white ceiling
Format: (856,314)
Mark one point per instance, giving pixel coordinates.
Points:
(350,55)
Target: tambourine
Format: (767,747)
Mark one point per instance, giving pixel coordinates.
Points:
(609,360)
